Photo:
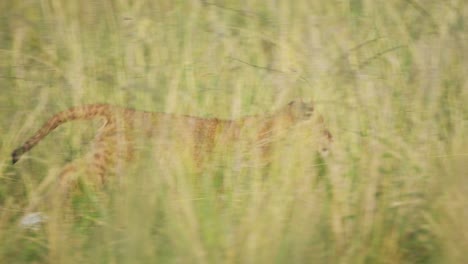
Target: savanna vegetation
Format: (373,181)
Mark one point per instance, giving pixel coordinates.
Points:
(389,77)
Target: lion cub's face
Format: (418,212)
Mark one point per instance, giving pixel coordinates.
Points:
(300,110)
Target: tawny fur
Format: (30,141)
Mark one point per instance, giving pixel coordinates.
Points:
(114,140)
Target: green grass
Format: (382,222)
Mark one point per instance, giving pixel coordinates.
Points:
(388,76)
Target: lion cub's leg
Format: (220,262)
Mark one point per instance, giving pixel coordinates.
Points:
(95,166)
(56,185)
(91,170)
(110,153)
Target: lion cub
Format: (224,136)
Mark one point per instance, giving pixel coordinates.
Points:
(114,141)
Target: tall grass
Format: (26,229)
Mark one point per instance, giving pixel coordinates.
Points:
(388,76)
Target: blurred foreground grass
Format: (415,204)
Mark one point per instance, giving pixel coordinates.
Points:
(390,78)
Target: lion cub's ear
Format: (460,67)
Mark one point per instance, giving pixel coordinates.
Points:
(296,102)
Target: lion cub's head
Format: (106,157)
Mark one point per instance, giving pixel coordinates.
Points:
(298,110)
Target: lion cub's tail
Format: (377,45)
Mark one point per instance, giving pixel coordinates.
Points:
(75,113)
